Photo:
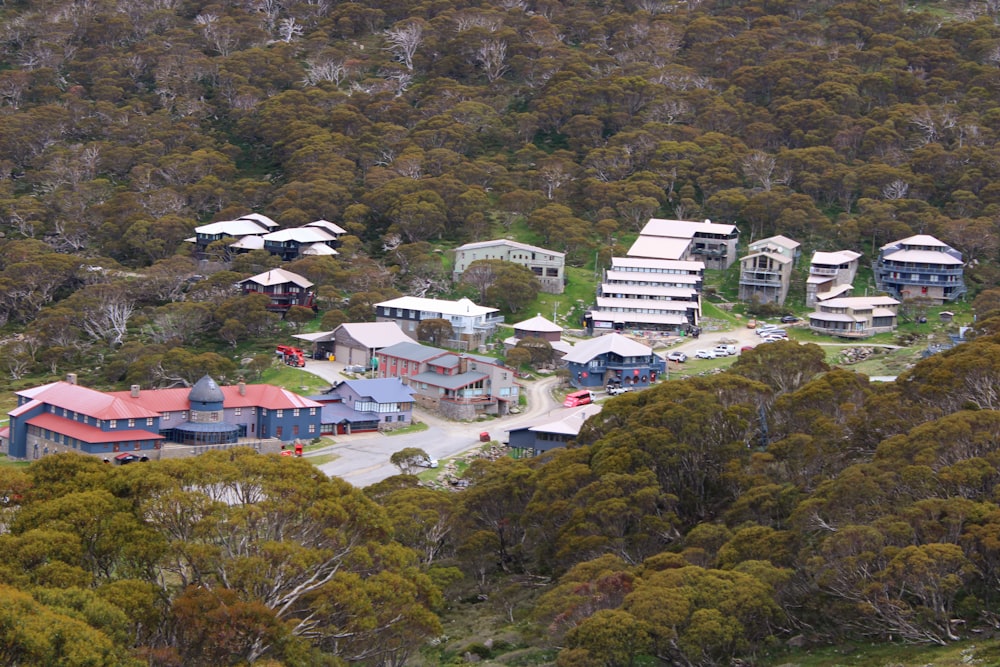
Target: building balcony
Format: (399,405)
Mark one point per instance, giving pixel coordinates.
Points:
(758,279)
(823,271)
(906,268)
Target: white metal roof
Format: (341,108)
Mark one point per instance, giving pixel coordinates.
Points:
(684,228)
(318,249)
(300,234)
(656,305)
(616,343)
(638,318)
(278,277)
(512,244)
(241,227)
(375,335)
(460,307)
(835,258)
(249,243)
(659,247)
(335,229)
(923,257)
(860,302)
(261,218)
(779,240)
(540,324)
(687,266)
(614,277)
(609,290)
(918,240)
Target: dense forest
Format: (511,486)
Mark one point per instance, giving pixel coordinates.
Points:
(693,523)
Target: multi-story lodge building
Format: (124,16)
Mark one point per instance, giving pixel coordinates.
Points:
(286,289)
(471,324)
(613,359)
(64,416)
(855,316)
(831,275)
(766,271)
(548,266)
(920,267)
(459,386)
(647,294)
(709,242)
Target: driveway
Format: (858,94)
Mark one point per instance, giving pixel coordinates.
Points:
(363,458)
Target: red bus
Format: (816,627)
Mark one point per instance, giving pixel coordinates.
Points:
(581,397)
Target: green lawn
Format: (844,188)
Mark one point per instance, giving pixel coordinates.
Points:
(294,380)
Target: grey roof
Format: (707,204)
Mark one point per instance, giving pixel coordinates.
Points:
(206,390)
(447,361)
(616,343)
(375,335)
(382,390)
(336,413)
(412,351)
(448,381)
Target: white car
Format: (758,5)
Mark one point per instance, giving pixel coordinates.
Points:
(705,354)
(679,357)
(427,463)
(724,350)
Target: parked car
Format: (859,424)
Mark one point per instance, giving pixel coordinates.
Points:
(427,463)
(724,350)
(789,319)
(705,354)
(677,356)
(616,389)
(764,328)
(751,324)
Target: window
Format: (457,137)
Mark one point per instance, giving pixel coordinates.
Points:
(277,432)
(263,412)
(312,428)
(149,421)
(131,423)
(295,412)
(280,413)
(388,418)
(113,423)
(184,414)
(312,412)
(401,418)
(165,417)
(238,411)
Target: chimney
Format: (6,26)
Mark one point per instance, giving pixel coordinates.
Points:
(71,378)
(135,391)
(242,386)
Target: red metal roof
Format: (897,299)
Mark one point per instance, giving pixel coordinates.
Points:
(257,395)
(88,433)
(86,401)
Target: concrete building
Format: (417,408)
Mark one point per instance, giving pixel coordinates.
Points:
(920,267)
(855,317)
(639,293)
(471,324)
(766,271)
(831,275)
(548,266)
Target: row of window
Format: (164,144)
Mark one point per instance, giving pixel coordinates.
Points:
(647,269)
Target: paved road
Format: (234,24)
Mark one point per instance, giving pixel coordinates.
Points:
(363,458)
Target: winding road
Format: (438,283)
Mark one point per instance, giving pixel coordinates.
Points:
(363,458)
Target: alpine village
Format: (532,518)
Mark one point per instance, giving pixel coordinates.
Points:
(565,333)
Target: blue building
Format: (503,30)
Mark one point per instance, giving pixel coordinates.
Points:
(63,416)
(352,406)
(613,359)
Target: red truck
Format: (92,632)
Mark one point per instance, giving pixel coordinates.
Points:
(292,356)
